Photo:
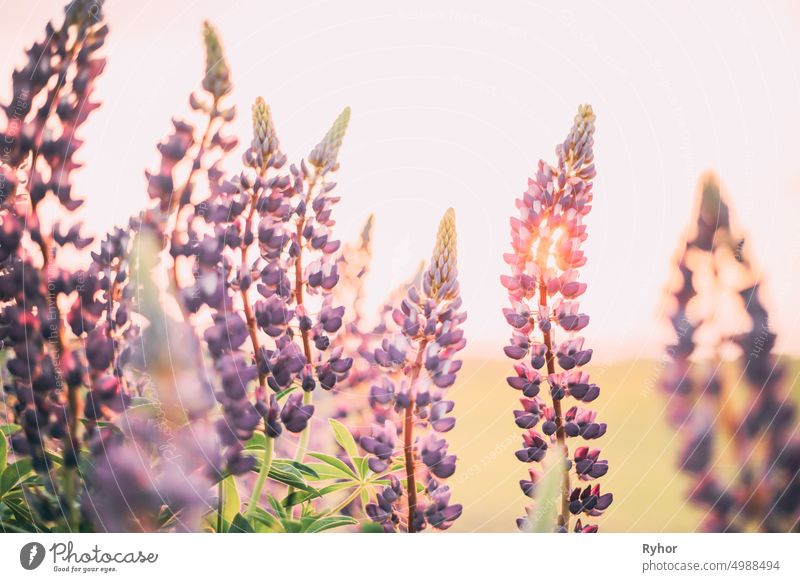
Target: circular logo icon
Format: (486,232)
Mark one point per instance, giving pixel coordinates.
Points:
(31,555)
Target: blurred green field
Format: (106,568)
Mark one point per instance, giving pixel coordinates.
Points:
(649,494)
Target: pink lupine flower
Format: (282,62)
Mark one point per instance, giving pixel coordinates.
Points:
(543,286)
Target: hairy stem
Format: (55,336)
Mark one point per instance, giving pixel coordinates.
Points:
(408,437)
(248,310)
(266,463)
(561,437)
(302,445)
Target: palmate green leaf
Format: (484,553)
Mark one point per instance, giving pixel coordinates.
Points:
(331,522)
(362,466)
(288,472)
(346,471)
(283,471)
(342,435)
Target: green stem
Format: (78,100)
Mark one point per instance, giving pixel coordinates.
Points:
(69,496)
(302,444)
(266,463)
(220,504)
(345,503)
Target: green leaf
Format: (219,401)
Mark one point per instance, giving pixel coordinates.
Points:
(55,458)
(342,435)
(15,474)
(337,487)
(371,527)
(9,429)
(331,522)
(293,478)
(3,453)
(230,502)
(325,472)
(240,525)
(276,505)
(296,497)
(291,525)
(334,462)
(267,519)
(257,442)
(362,466)
(302,467)
(22,513)
(542,516)
(284,393)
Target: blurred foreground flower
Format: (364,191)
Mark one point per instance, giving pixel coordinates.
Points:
(748,423)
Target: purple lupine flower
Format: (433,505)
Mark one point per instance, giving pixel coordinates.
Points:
(52,97)
(246,244)
(141,471)
(183,147)
(381,444)
(383,511)
(543,287)
(762,494)
(422,348)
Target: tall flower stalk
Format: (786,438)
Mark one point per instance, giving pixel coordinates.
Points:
(718,284)
(415,404)
(543,287)
(51,99)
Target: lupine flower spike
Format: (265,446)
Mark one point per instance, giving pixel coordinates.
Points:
(543,287)
(714,270)
(52,97)
(424,351)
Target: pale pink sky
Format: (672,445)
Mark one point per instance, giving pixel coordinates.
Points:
(454,104)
